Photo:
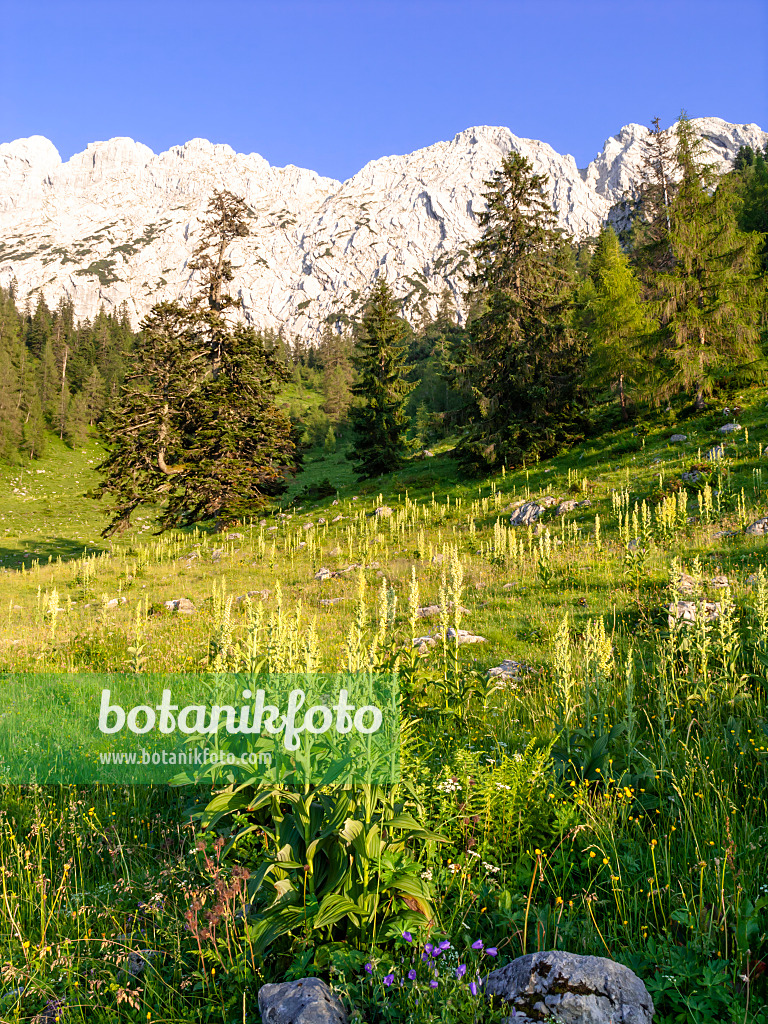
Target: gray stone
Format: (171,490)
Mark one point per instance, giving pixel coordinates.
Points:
(565,506)
(335,551)
(234,536)
(687,611)
(758,528)
(718,452)
(507,670)
(324,574)
(693,477)
(308,1001)
(719,581)
(337,519)
(571,989)
(730,428)
(527,514)
(584,504)
(382,511)
(678,438)
(180,604)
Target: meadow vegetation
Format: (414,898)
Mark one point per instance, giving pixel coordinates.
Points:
(606,796)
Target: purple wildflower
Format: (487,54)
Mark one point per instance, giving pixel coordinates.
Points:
(369,969)
(388,979)
(473,987)
(461,970)
(445,944)
(491,951)
(478,945)
(429,948)
(433,984)
(407,936)
(412,975)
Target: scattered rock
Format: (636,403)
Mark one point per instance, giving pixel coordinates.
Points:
(730,428)
(718,452)
(271,529)
(565,506)
(571,988)
(382,511)
(335,501)
(234,536)
(508,670)
(113,603)
(725,533)
(437,559)
(262,595)
(180,604)
(428,611)
(328,601)
(337,519)
(584,504)
(678,438)
(693,477)
(719,581)
(752,578)
(137,961)
(427,454)
(321,521)
(308,1001)
(307,526)
(686,584)
(324,574)
(758,529)
(527,514)
(464,636)
(335,551)
(687,611)
(262,522)
(355,498)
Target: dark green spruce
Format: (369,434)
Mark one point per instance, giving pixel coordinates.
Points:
(196,432)
(521,362)
(379,422)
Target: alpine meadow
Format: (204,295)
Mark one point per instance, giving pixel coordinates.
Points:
(514,506)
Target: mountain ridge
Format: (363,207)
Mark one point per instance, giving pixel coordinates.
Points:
(117,223)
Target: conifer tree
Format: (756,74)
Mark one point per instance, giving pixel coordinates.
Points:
(379,421)
(196,429)
(615,320)
(521,361)
(708,302)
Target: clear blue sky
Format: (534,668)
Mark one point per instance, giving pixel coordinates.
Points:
(331,84)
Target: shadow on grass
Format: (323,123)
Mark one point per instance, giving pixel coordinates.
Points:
(55,547)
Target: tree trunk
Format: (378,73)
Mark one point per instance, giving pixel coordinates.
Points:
(622,398)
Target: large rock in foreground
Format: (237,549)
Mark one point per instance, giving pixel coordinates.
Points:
(308,1001)
(571,989)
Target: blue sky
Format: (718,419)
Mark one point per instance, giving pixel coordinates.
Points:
(331,84)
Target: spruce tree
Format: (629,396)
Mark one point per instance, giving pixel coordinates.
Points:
(520,361)
(379,421)
(196,430)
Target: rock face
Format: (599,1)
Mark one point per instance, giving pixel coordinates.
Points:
(117,223)
(527,514)
(571,989)
(308,1001)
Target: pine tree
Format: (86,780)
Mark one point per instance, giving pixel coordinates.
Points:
(379,421)
(615,320)
(708,302)
(196,430)
(520,361)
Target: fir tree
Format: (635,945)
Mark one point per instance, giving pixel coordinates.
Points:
(520,361)
(379,422)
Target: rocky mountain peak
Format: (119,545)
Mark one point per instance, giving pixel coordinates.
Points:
(117,223)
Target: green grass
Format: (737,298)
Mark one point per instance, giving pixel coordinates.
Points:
(640,831)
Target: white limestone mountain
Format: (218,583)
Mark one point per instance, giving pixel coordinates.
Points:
(118,223)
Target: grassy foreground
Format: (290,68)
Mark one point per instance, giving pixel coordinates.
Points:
(607,796)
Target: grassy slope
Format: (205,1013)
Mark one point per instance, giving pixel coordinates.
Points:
(134,837)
